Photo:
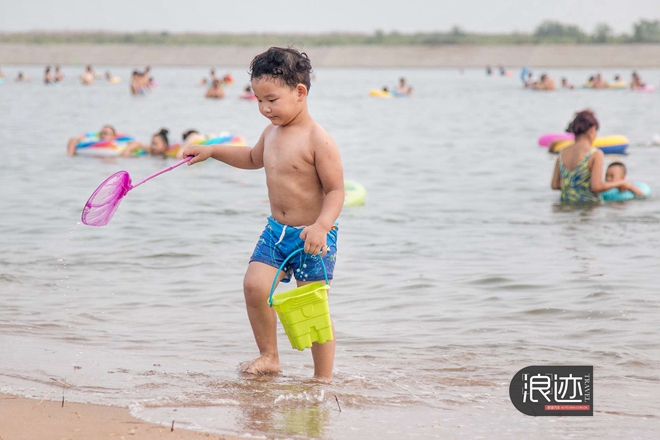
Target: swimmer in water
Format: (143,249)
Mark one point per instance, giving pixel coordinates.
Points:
(545,83)
(616,171)
(599,82)
(158,146)
(22,78)
(87,78)
(579,167)
(215,91)
(59,76)
(48,76)
(403,88)
(107,133)
(636,82)
(248,94)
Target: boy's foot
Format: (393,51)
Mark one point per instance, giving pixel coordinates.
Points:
(264,364)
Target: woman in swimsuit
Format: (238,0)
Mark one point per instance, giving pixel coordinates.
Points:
(579,168)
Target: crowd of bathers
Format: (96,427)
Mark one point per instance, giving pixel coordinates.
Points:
(141,82)
(597,81)
(160,144)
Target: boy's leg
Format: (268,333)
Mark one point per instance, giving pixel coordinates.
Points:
(256,288)
(323,355)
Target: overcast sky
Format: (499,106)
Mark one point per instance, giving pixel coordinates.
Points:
(318,15)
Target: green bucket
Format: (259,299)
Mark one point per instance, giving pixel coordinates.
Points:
(303,311)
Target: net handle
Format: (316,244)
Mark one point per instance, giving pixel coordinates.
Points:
(297,251)
(170,168)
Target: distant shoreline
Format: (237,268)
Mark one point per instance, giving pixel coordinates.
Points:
(448,56)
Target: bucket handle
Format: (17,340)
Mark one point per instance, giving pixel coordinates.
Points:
(272,288)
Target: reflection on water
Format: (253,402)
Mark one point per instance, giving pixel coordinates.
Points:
(461,269)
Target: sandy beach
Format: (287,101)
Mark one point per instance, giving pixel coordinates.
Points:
(28,419)
(448,56)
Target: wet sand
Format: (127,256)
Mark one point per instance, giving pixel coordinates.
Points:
(449,56)
(28,419)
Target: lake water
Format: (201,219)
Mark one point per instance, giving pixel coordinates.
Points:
(460,269)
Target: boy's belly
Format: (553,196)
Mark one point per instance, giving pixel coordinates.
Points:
(295,206)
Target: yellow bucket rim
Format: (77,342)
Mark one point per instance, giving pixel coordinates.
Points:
(307,289)
(272,287)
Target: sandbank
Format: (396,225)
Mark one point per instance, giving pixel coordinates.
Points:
(634,56)
(28,419)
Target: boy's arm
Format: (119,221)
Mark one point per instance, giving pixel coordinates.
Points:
(633,188)
(240,157)
(331,174)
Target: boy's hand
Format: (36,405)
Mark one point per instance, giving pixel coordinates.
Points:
(199,152)
(315,239)
(626,186)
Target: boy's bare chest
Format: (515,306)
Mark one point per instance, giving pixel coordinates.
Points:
(285,155)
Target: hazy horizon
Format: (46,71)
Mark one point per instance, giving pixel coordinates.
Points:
(313,16)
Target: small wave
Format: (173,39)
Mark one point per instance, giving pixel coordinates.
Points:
(300,397)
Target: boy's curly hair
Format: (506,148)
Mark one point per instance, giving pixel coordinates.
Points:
(286,64)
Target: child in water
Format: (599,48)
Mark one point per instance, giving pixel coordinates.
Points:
(305,184)
(616,171)
(158,146)
(579,167)
(248,94)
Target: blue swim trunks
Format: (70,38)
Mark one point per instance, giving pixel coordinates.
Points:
(278,241)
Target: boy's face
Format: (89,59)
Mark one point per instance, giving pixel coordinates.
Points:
(277,101)
(614,173)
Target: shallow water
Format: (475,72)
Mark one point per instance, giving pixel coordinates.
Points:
(460,270)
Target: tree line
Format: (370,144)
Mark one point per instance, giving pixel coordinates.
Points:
(548,32)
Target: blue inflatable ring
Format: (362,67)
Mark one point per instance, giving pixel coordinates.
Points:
(614,195)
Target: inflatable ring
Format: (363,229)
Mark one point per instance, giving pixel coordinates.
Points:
(397,94)
(92,145)
(646,88)
(616,144)
(614,195)
(547,139)
(355,194)
(378,93)
(223,138)
(618,85)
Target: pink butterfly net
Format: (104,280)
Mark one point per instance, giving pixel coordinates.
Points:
(103,203)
